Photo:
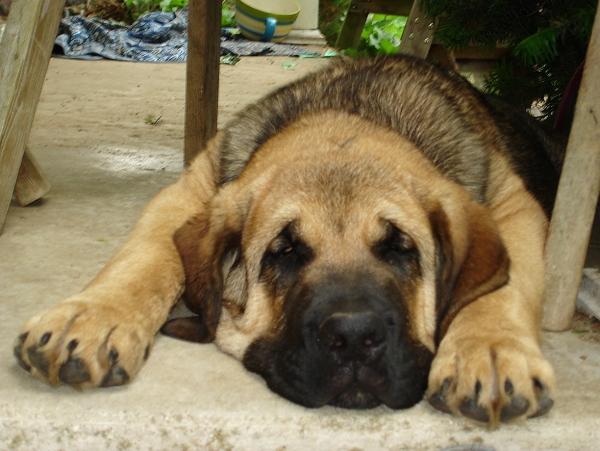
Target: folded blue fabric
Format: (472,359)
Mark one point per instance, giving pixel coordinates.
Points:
(156,37)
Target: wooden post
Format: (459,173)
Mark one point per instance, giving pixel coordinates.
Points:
(418,33)
(352,27)
(577,197)
(202,78)
(24,55)
(30,185)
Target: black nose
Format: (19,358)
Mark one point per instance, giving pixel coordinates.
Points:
(353,336)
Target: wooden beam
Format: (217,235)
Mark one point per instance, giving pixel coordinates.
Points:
(202,79)
(392,7)
(577,198)
(352,28)
(31,184)
(24,55)
(418,33)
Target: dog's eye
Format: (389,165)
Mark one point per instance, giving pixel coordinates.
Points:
(283,247)
(396,248)
(285,256)
(280,247)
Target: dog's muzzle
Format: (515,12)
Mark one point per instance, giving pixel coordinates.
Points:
(349,347)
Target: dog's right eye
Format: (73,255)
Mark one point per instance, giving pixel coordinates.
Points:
(285,256)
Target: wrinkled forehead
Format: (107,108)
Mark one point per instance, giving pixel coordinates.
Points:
(335,197)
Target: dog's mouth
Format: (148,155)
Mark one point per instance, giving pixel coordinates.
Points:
(356,387)
(355,398)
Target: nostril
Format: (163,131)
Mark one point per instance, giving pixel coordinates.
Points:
(337,343)
(352,336)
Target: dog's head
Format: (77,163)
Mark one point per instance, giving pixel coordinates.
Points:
(335,263)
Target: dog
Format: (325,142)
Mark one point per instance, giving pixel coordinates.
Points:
(368,235)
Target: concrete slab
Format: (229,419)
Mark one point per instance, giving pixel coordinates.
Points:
(104,163)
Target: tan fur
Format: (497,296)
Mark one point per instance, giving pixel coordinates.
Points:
(493,251)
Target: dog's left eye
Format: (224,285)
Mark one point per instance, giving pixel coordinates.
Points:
(396,248)
(280,247)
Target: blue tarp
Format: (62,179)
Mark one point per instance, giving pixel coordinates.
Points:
(155,37)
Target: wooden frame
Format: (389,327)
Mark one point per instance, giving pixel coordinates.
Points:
(24,56)
(202,78)
(576,199)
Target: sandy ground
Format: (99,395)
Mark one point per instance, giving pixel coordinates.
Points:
(105,161)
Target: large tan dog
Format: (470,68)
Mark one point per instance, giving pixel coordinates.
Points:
(370,233)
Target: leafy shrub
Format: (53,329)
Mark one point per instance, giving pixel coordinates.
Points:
(381,34)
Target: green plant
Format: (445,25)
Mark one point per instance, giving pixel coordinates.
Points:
(137,8)
(228,13)
(172,5)
(548,40)
(128,11)
(381,34)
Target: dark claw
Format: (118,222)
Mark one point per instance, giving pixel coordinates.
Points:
(45,338)
(517,407)
(146,353)
(471,409)
(73,371)
(116,376)
(18,352)
(544,406)
(545,403)
(38,360)
(438,399)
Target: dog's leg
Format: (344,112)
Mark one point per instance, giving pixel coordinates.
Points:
(489,366)
(101,336)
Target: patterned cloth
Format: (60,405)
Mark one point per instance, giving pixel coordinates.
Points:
(156,37)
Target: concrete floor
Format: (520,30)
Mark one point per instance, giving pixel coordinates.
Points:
(104,163)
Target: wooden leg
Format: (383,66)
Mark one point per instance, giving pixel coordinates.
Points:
(202,78)
(352,28)
(31,184)
(24,55)
(418,33)
(576,199)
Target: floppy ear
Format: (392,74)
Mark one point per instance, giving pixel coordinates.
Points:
(466,271)
(208,251)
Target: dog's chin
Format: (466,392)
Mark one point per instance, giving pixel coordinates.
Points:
(355,398)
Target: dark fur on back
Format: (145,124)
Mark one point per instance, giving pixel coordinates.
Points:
(536,154)
(439,111)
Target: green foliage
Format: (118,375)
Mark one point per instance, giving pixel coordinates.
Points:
(538,48)
(548,41)
(381,34)
(228,13)
(137,8)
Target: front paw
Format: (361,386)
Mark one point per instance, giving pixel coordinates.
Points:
(491,379)
(83,344)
